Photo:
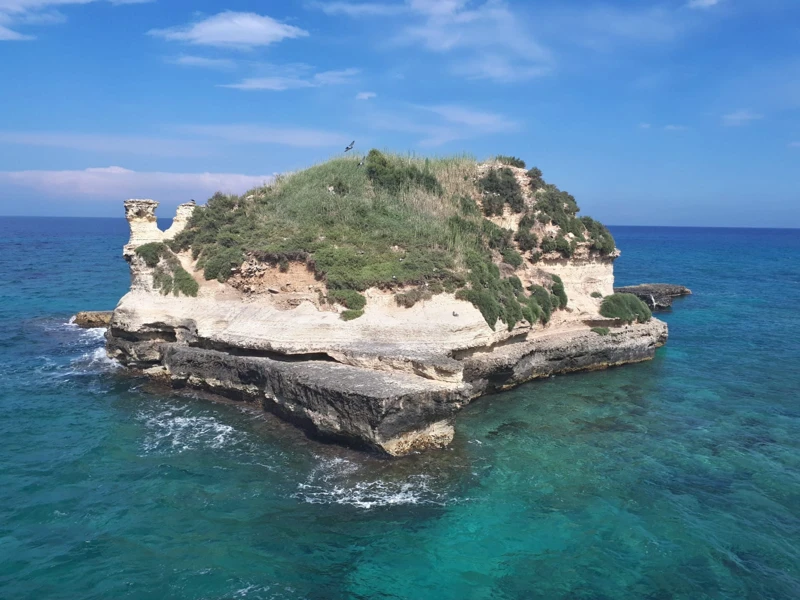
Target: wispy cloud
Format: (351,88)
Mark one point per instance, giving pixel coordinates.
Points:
(702,3)
(644,126)
(794,144)
(740,117)
(245,133)
(117,183)
(485,41)
(184,60)
(444,123)
(293,78)
(117,144)
(361,9)
(675,128)
(230,29)
(21,13)
(365,95)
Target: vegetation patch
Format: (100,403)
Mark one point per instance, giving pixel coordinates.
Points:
(347,298)
(511,161)
(168,273)
(602,240)
(411,297)
(500,187)
(601,331)
(395,222)
(596,295)
(349,315)
(559,291)
(625,307)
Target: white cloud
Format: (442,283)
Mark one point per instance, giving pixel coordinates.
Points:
(702,3)
(259,134)
(675,128)
(740,117)
(365,95)
(122,144)
(202,62)
(644,125)
(472,118)
(295,78)
(232,30)
(360,9)
(119,183)
(794,145)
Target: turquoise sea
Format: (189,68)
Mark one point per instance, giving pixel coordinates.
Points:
(673,479)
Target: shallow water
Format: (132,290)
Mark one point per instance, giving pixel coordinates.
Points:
(677,478)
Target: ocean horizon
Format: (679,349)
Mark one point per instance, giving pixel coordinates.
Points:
(678,478)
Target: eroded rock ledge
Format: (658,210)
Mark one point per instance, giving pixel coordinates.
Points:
(658,296)
(390,381)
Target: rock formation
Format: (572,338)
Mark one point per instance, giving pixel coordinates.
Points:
(390,380)
(658,296)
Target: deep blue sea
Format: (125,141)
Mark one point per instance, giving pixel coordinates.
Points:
(673,479)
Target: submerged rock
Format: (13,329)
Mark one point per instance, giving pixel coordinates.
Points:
(658,296)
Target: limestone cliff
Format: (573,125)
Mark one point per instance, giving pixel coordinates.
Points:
(391,379)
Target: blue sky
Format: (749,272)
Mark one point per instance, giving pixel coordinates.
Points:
(679,112)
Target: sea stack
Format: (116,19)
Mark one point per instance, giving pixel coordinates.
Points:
(369,305)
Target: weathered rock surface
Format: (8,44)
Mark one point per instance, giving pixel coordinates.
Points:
(389,381)
(658,296)
(89,319)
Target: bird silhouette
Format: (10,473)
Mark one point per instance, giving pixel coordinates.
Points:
(361,162)
(350,147)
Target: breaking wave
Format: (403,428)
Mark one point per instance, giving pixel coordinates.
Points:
(174,429)
(339,481)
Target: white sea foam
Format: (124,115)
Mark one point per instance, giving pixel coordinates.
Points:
(174,430)
(337,481)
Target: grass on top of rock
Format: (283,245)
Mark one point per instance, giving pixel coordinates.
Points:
(396,223)
(625,307)
(168,273)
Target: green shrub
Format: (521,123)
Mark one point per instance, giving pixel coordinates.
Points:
(184,283)
(511,161)
(347,298)
(219,263)
(340,188)
(596,295)
(535,257)
(625,307)
(497,238)
(537,182)
(512,257)
(527,221)
(500,187)
(396,177)
(559,291)
(411,297)
(543,300)
(469,207)
(603,331)
(151,253)
(168,276)
(349,315)
(283,265)
(559,244)
(526,240)
(602,240)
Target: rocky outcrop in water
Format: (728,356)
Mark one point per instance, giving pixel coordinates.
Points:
(658,296)
(391,380)
(90,319)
